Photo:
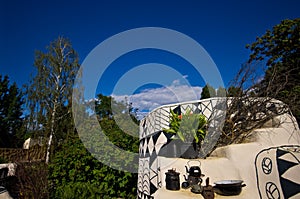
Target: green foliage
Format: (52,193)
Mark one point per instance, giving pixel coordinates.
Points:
(280,48)
(253,104)
(221,92)
(118,122)
(78,190)
(3,160)
(279,45)
(187,127)
(103,106)
(75,173)
(11,102)
(108,107)
(118,137)
(49,94)
(208,92)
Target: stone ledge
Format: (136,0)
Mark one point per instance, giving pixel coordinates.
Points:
(163,193)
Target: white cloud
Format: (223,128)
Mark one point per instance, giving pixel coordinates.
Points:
(150,99)
(176,82)
(185,76)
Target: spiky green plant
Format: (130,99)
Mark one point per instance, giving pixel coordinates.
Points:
(187,127)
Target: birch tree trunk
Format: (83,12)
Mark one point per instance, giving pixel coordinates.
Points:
(50,93)
(51,133)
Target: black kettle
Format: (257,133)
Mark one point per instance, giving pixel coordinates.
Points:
(194,171)
(194,178)
(172,180)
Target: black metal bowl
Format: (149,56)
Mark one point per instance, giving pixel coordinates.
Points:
(228,187)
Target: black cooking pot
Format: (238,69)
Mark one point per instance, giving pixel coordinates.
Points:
(172,180)
(228,187)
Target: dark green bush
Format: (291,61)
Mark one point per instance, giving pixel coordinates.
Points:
(3,160)
(75,173)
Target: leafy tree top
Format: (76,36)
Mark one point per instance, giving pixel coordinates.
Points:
(280,44)
(280,48)
(207,92)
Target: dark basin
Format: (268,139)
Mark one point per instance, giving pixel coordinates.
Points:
(228,187)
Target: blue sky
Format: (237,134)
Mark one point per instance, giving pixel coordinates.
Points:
(222,27)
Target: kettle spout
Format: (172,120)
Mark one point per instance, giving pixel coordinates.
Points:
(185,178)
(187,170)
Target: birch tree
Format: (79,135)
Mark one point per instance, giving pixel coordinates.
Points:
(50,91)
